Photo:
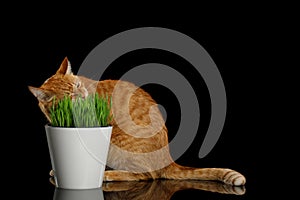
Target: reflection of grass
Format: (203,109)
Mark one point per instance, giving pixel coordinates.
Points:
(89,112)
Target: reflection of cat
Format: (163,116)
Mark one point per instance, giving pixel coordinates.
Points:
(139,141)
(161,189)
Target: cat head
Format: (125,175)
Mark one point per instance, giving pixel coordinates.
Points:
(62,83)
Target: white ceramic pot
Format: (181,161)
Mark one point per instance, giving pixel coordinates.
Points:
(78,155)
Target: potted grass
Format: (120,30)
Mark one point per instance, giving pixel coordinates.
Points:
(78,139)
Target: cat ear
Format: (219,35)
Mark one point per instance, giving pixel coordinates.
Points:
(41,94)
(65,67)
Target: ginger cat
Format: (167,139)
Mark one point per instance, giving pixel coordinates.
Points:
(139,141)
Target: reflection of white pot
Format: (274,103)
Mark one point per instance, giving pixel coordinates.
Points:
(91,194)
(78,155)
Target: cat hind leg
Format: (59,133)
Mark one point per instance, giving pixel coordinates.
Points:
(122,175)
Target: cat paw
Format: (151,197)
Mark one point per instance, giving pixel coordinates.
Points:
(234,178)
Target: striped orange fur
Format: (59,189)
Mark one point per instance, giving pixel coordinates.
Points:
(139,141)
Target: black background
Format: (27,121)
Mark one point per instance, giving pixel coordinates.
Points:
(238,45)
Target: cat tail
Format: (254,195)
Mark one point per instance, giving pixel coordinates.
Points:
(228,176)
